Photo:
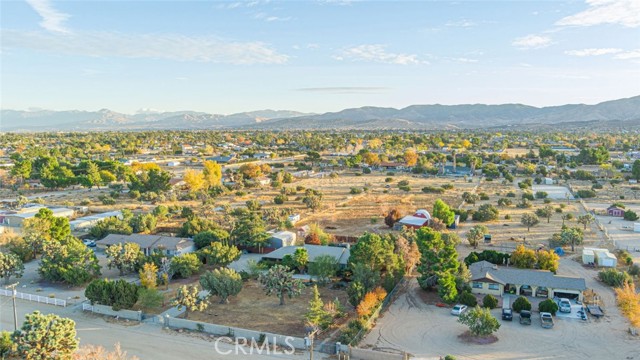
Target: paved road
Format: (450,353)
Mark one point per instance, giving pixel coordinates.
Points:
(146,341)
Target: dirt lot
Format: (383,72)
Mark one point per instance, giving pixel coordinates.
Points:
(252,309)
(428,331)
(508,233)
(624,238)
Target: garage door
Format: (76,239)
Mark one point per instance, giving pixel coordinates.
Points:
(566,294)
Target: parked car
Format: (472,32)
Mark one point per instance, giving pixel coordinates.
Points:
(458,309)
(564,305)
(525,317)
(89,243)
(507,314)
(546,320)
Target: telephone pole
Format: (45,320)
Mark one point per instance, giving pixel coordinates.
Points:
(15,310)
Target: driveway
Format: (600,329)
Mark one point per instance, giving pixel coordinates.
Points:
(428,331)
(241,264)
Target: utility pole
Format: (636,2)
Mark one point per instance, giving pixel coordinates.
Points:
(15,310)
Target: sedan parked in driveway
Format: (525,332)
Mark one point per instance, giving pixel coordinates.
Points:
(564,305)
(458,309)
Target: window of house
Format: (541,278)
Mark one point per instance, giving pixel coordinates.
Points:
(477,285)
(494,287)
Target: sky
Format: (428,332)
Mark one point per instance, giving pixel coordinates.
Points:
(314,56)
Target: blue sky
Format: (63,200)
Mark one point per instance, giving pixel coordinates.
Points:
(314,56)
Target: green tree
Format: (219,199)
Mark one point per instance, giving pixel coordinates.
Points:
(635,170)
(93,177)
(486,212)
(529,220)
(185,265)
(489,301)
(222,282)
(188,297)
(143,223)
(47,336)
(250,231)
(436,257)
(196,225)
(480,321)
(442,211)
(587,218)
(374,251)
(521,303)
(219,254)
(545,212)
(312,202)
(300,258)
(68,261)
(630,215)
(476,234)
(571,236)
(324,267)
(10,265)
(316,315)
(207,237)
(279,281)
(119,294)
(549,306)
(6,344)
(547,260)
(447,287)
(124,257)
(149,299)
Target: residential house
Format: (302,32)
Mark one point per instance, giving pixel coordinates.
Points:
(87,222)
(171,246)
(615,211)
(223,159)
(341,254)
(488,278)
(16,218)
(457,170)
(392,166)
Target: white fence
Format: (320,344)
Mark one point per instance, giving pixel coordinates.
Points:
(37,298)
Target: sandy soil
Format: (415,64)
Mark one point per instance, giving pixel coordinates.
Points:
(428,331)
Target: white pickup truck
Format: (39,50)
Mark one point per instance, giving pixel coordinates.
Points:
(546,320)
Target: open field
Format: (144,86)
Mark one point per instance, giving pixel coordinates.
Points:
(253,310)
(427,331)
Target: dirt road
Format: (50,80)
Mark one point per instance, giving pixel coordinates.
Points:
(428,331)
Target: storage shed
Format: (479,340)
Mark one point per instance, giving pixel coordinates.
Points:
(282,239)
(588,256)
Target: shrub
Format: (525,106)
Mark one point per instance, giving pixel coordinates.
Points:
(447,186)
(630,215)
(613,277)
(405,188)
(511,194)
(366,170)
(586,194)
(388,180)
(486,212)
(468,299)
(355,191)
(549,306)
(490,301)
(280,199)
(432,190)
(352,332)
(403,183)
(483,196)
(541,194)
(521,303)
(528,196)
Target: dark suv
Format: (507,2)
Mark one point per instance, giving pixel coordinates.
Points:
(507,314)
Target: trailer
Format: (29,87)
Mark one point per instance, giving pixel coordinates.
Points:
(595,310)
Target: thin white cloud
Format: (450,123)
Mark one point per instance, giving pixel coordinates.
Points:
(532,42)
(345,89)
(633,54)
(376,53)
(464,60)
(52,19)
(269,18)
(621,12)
(461,23)
(159,46)
(592,52)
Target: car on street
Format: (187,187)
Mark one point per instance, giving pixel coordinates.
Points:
(458,309)
(564,305)
(507,314)
(89,243)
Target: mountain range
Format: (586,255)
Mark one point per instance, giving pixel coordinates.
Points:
(615,114)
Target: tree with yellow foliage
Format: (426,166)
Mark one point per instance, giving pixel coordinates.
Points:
(629,303)
(149,275)
(371,158)
(212,174)
(194,179)
(410,157)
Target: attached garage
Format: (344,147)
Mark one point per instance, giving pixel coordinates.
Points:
(569,294)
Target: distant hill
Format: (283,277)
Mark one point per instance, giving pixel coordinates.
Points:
(619,114)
